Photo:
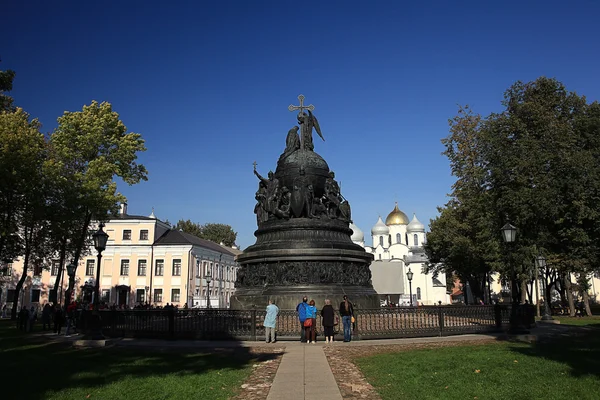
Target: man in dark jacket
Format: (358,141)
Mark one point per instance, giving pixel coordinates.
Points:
(301,310)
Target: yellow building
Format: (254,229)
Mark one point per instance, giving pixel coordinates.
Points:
(145,261)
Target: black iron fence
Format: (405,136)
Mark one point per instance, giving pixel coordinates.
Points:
(397,322)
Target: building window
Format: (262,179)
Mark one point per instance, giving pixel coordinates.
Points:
(416,239)
(177,267)
(55,267)
(140,294)
(141,267)
(389,240)
(380,257)
(10,295)
(89,267)
(127,234)
(398,238)
(35,296)
(144,234)
(105,296)
(175,295)
(159,268)
(6,270)
(158,295)
(418,293)
(206,268)
(124,267)
(381,241)
(37,270)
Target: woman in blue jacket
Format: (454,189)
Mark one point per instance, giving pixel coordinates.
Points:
(310,322)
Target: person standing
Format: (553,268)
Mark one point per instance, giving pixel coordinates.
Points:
(347,312)
(271,322)
(301,310)
(327,318)
(310,322)
(58,320)
(46,316)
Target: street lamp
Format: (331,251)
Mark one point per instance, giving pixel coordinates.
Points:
(100,238)
(409,275)
(541,264)
(509,233)
(207,277)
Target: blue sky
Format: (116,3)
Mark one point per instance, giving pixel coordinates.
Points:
(207,84)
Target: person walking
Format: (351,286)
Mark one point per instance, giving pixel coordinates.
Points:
(46,317)
(31,318)
(271,322)
(59,320)
(4,311)
(310,322)
(301,310)
(347,313)
(71,310)
(327,319)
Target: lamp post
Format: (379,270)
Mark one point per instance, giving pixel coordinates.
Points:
(148,293)
(509,233)
(207,277)
(100,238)
(541,264)
(409,275)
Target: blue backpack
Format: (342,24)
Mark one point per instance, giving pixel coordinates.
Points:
(301,311)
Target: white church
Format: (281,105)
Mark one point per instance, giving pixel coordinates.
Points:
(397,248)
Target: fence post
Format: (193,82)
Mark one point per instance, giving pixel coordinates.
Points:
(253,326)
(171,323)
(441,320)
(498,316)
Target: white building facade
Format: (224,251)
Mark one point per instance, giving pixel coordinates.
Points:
(397,246)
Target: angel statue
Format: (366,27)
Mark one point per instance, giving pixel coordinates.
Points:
(307,123)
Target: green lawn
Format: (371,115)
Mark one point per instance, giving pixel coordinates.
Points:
(36,369)
(580,321)
(567,369)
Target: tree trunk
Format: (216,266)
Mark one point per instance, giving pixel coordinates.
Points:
(523,291)
(78,250)
(586,302)
(569,292)
(61,263)
(13,313)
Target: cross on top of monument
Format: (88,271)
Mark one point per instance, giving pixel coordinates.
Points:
(301,107)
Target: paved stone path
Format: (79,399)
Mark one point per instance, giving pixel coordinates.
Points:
(304,374)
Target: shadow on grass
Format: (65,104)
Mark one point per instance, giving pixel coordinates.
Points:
(577,348)
(35,366)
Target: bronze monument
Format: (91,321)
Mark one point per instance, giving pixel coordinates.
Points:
(303,243)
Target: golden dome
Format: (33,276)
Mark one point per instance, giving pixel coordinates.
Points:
(396,217)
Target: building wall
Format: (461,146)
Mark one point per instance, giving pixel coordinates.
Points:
(122,285)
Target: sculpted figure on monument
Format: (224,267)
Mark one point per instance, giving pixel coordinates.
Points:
(283,204)
(260,209)
(332,196)
(292,142)
(307,123)
(272,187)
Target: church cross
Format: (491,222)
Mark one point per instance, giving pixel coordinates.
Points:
(255,164)
(301,107)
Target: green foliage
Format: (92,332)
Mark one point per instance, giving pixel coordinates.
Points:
(6,82)
(537,165)
(218,233)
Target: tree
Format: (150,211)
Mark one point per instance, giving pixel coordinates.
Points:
(22,203)
(90,148)
(6,82)
(187,226)
(462,239)
(537,165)
(218,233)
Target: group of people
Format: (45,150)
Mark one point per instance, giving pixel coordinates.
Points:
(53,317)
(307,315)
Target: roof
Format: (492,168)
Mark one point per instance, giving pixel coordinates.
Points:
(232,250)
(173,236)
(127,216)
